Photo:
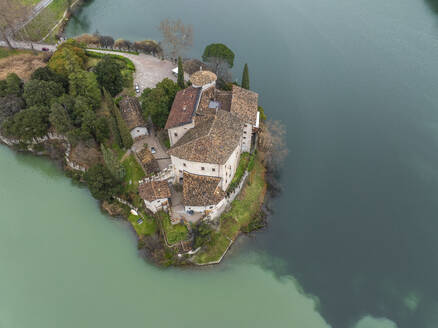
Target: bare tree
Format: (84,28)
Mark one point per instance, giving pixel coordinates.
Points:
(11,14)
(177,37)
(272,144)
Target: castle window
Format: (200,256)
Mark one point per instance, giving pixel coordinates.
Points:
(213,169)
(176,134)
(184,164)
(202,168)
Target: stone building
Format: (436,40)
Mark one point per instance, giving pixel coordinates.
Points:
(208,130)
(131,112)
(202,193)
(155,195)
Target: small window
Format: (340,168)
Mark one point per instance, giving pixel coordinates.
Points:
(244,132)
(213,169)
(211,207)
(244,137)
(202,168)
(176,134)
(184,164)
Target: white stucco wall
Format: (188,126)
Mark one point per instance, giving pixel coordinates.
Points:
(210,208)
(246,139)
(176,133)
(157,205)
(181,165)
(139,132)
(228,170)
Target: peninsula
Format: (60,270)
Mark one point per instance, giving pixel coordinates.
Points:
(175,151)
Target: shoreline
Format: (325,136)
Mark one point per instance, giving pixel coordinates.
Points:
(149,247)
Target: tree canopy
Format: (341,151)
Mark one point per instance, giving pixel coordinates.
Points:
(84,84)
(46,74)
(245,77)
(180,80)
(68,58)
(28,123)
(156,102)
(101,182)
(12,85)
(216,51)
(109,75)
(37,92)
(177,37)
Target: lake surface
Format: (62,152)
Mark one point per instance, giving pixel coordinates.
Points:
(353,240)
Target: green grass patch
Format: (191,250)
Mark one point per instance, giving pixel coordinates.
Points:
(134,173)
(174,232)
(148,227)
(44,22)
(6,52)
(243,209)
(240,171)
(116,50)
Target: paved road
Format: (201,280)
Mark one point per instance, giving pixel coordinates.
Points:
(28,45)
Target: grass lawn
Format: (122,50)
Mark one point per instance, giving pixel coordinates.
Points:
(29,2)
(6,52)
(148,227)
(243,209)
(44,22)
(134,172)
(174,232)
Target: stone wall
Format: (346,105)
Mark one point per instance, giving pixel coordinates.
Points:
(50,136)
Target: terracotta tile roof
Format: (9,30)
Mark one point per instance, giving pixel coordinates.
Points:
(244,104)
(212,140)
(201,190)
(183,107)
(154,190)
(213,98)
(131,112)
(201,78)
(148,161)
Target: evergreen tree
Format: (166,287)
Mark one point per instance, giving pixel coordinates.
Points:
(180,80)
(60,119)
(245,77)
(37,92)
(125,136)
(112,163)
(101,182)
(109,75)
(83,83)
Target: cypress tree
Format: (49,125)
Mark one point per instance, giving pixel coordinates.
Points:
(245,77)
(125,136)
(112,163)
(180,80)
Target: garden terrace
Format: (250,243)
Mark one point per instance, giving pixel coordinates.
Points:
(245,210)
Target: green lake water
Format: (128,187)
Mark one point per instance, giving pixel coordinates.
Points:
(352,242)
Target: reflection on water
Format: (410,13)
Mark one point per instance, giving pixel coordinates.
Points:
(355,82)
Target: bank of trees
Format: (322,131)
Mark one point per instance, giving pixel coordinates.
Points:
(157,102)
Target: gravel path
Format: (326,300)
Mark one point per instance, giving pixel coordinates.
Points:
(149,70)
